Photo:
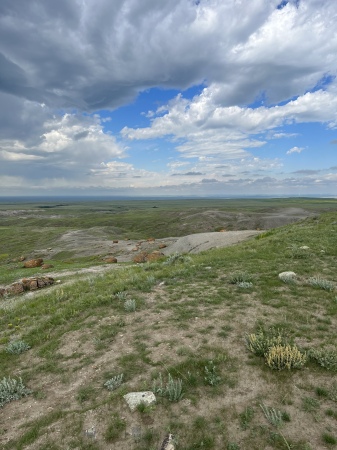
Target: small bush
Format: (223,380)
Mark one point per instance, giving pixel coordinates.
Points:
(177,258)
(115,428)
(260,342)
(244,285)
(211,378)
(329,439)
(240,277)
(281,357)
(325,358)
(114,382)
(121,295)
(321,283)
(274,416)
(172,390)
(130,305)
(12,389)
(17,347)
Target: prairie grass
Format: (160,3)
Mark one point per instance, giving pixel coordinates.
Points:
(191,331)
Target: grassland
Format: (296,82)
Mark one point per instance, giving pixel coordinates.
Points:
(192,322)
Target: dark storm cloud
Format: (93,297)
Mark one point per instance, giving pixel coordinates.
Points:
(307,172)
(186,174)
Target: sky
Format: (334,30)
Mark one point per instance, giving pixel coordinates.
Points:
(168,98)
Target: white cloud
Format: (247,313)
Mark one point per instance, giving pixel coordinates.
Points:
(295,150)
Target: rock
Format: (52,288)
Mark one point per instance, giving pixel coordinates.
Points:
(115,241)
(26,284)
(168,443)
(304,247)
(33,285)
(140,258)
(133,399)
(162,245)
(154,256)
(33,263)
(22,258)
(150,239)
(15,288)
(110,260)
(46,266)
(135,249)
(286,275)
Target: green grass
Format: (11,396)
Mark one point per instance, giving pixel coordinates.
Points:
(80,336)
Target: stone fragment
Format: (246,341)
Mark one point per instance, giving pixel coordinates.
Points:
(33,263)
(162,245)
(115,241)
(168,443)
(133,399)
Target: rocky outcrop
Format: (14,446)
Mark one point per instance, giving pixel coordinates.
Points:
(26,284)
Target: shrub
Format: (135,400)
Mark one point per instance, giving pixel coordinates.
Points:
(177,258)
(115,428)
(240,277)
(244,285)
(172,390)
(211,378)
(274,416)
(325,358)
(114,382)
(262,341)
(130,305)
(281,357)
(12,389)
(17,347)
(321,283)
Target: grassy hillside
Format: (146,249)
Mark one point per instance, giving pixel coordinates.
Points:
(182,322)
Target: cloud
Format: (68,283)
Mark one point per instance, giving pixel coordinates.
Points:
(64,61)
(295,150)
(333,142)
(193,174)
(98,54)
(307,172)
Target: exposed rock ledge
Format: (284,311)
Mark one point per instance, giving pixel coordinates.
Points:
(26,284)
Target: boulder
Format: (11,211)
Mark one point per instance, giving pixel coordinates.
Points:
(154,256)
(15,288)
(133,399)
(110,260)
(285,276)
(140,258)
(33,263)
(115,241)
(162,245)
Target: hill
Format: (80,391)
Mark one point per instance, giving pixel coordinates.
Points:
(237,357)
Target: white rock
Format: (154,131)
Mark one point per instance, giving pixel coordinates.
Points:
(304,247)
(133,399)
(284,275)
